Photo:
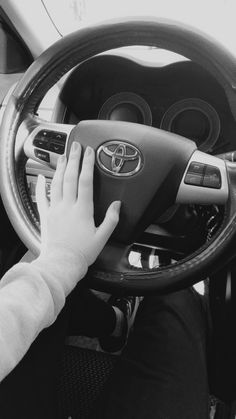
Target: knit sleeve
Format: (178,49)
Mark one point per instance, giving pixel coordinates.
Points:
(31,297)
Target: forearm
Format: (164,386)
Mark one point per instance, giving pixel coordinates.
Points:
(31,296)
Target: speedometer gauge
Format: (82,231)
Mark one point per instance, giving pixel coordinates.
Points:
(195,119)
(126,106)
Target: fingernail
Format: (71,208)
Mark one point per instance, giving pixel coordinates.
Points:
(75,146)
(117,205)
(88,151)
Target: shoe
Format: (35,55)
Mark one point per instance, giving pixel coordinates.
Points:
(129,307)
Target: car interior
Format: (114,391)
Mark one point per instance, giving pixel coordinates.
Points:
(136,88)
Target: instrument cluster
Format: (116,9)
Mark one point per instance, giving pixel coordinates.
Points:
(180,97)
(192,118)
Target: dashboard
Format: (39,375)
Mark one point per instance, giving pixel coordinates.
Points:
(180,97)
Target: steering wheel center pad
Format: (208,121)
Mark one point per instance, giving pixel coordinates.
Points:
(161,158)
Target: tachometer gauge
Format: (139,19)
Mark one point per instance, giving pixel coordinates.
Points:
(194,119)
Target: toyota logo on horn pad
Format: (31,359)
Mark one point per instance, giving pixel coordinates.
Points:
(119,158)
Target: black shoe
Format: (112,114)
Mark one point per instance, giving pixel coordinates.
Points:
(128,306)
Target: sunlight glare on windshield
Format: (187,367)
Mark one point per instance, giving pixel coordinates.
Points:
(216,17)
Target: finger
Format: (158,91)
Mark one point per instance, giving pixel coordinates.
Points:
(70,185)
(109,223)
(41,196)
(85,192)
(57,182)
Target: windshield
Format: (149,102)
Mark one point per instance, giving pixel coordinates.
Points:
(216,17)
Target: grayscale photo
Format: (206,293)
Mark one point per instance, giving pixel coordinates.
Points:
(118,209)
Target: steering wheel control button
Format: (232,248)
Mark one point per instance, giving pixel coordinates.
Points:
(196,168)
(195,174)
(50,140)
(42,139)
(57,148)
(192,179)
(205,175)
(42,155)
(211,180)
(119,158)
(212,177)
(59,136)
(41,143)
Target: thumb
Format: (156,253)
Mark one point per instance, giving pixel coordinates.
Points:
(109,223)
(41,196)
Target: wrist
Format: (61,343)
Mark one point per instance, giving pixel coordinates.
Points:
(66,266)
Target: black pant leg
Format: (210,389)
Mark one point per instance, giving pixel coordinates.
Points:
(89,315)
(163,371)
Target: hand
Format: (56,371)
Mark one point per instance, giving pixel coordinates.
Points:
(67,222)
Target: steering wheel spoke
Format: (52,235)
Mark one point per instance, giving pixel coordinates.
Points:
(205,181)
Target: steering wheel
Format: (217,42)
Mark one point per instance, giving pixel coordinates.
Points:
(146,168)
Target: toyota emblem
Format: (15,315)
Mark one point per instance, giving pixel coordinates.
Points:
(119,158)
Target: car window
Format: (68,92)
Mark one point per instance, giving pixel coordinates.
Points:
(14,56)
(14,59)
(216,17)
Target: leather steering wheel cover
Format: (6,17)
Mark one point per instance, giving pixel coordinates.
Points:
(49,68)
